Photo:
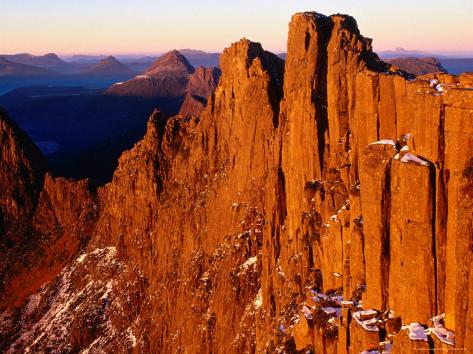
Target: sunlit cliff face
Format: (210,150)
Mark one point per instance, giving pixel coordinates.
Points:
(320,204)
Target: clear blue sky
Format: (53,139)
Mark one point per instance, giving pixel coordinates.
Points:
(154,26)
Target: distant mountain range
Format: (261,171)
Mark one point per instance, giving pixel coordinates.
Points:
(55,116)
(49,61)
(10,68)
(54,70)
(78,63)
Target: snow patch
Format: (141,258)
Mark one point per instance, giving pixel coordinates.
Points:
(416,331)
(443,334)
(334,218)
(414,159)
(384,142)
(81,258)
(387,347)
(405,148)
(332,311)
(434,82)
(371,324)
(131,337)
(307,312)
(258,302)
(249,262)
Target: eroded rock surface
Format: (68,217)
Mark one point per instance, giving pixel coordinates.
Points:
(319,204)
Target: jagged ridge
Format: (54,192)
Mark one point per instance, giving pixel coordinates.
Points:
(290,194)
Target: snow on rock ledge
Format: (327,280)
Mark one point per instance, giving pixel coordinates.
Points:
(413,159)
(416,332)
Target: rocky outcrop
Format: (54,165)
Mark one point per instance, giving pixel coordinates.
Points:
(318,204)
(202,84)
(166,191)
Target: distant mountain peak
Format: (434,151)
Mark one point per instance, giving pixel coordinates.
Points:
(172,62)
(52,56)
(109,66)
(110,59)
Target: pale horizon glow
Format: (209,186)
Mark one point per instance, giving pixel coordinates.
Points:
(150,27)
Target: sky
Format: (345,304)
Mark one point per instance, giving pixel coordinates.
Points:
(155,26)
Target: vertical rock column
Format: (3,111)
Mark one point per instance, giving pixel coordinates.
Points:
(459,259)
(375,163)
(303,127)
(412,257)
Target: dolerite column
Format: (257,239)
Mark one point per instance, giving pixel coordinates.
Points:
(459,249)
(375,161)
(412,270)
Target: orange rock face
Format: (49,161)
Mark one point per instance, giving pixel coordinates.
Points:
(202,84)
(323,203)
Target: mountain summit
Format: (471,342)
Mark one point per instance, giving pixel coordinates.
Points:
(109,66)
(167,77)
(173,63)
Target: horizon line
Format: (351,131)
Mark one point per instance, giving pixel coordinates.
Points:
(460,54)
